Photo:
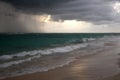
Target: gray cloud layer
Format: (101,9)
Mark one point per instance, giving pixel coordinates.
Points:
(95,11)
(98,11)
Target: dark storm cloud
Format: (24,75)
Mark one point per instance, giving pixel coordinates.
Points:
(87,10)
(13,21)
(95,11)
(26,4)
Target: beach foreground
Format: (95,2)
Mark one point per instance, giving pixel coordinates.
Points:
(102,65)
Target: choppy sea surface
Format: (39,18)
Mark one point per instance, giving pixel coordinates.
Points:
(28,53)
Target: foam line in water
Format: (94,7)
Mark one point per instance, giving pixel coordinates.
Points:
(47,51)
(43,52)
(36,54)
(38,69)
(7,64)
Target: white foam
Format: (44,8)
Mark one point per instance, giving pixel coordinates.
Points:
(38,69)
(21,54)
(88,39)
(57,50)
(44,52)
(4,57)
(7,64)
(37,53)
(64,49)
(91,39)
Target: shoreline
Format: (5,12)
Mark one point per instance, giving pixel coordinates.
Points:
(101,65)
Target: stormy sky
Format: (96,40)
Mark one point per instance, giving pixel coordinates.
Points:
(58,16)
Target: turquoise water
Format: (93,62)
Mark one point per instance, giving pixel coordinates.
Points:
(28,53)
(13,43)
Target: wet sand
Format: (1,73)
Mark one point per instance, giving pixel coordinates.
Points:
(115,77)
(99,66)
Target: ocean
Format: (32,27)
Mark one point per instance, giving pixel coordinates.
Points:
(28,53)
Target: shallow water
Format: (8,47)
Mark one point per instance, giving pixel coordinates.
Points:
(51,61)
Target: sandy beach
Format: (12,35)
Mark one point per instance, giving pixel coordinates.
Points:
(103,65)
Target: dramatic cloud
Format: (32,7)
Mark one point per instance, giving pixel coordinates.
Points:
(35,3)
(90,10)
(14,21)
(49,15)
